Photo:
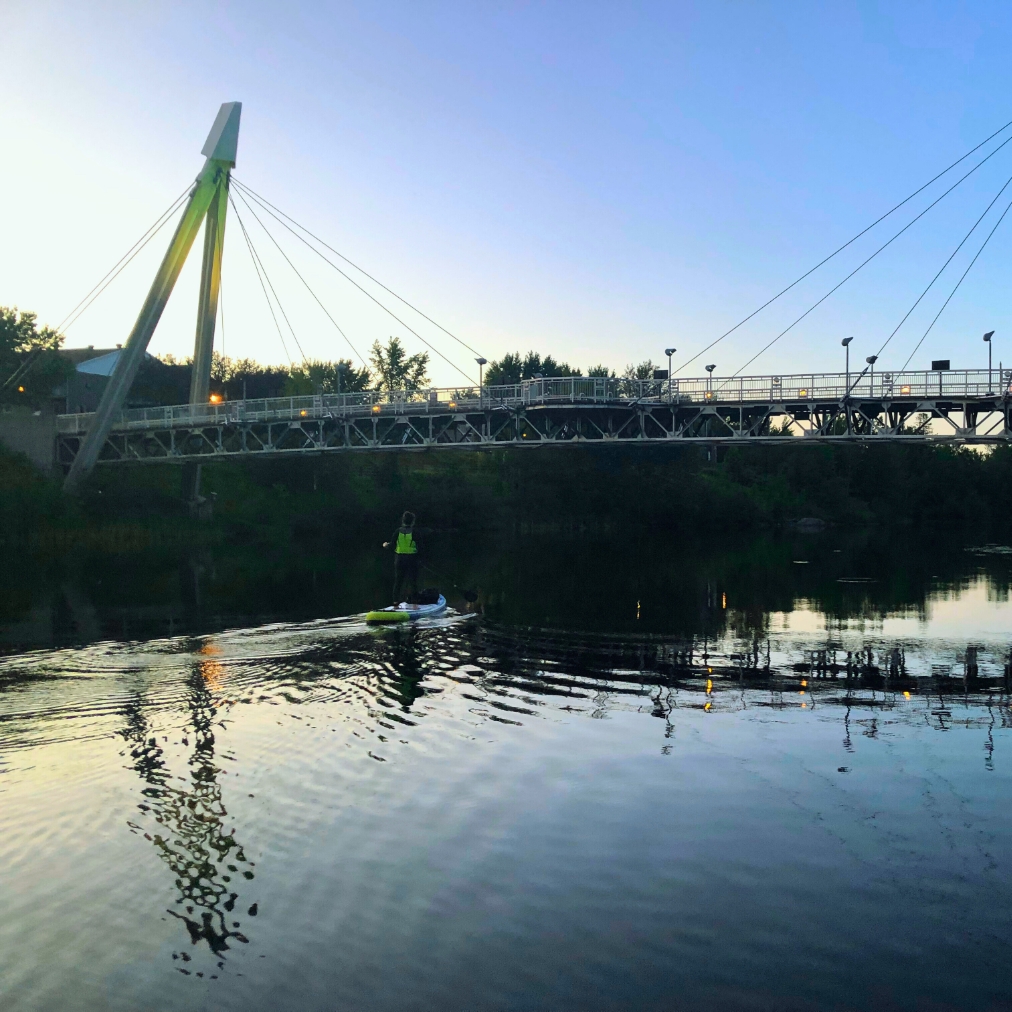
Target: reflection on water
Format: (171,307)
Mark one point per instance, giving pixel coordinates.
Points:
(796,807)
(189,833)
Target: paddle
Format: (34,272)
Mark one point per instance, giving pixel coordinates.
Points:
(469,595)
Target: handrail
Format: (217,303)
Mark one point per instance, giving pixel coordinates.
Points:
(801,388)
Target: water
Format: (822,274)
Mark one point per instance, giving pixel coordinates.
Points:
(637,779)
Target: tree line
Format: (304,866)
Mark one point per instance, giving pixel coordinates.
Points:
(513,368)
(31,367)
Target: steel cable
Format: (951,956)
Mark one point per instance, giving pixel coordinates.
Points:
(114,272)
(249,246)
(270,284)
(849,242)
(304,281)
(267,204)
(864,263)
(958,283)
(942,268)
(369,295)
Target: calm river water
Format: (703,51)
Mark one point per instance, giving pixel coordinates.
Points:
(768,775)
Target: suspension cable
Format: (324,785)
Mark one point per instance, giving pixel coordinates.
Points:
(958,283)
(303,280)
(888,242)
(369,295)
(249,246)
(117,268)
(270,285)
(844,246)
(267,204)
(942,268)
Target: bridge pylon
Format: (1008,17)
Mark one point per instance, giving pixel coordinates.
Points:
(208,201)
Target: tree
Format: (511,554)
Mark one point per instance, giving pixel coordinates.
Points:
(315,376)
(396,370)
(511,368)
(601,372)
(20,337)
(643,371)
(19,333)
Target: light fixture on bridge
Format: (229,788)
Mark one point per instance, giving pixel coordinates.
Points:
(669,352)
(803,392)
(871,360)
(846,344)
(905,391)
(987,338)
(482,362)
(709,379)
(214,399)
(376,409)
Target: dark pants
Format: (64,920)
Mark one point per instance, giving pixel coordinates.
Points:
(405,577)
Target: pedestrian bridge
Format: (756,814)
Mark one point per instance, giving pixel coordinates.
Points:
(958,406)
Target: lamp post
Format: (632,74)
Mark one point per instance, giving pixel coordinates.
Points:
(987,339)
(669,352)
(871,360)
(846,343)
(709,377)
(482,362)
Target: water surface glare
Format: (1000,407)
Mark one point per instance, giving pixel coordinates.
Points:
(472,815)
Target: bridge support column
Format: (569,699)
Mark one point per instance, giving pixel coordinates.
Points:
(210,286)
(220,149)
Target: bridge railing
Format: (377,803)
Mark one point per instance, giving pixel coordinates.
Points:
(788,389)
(884,385)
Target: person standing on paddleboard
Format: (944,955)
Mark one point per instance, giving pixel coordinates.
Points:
(405,558)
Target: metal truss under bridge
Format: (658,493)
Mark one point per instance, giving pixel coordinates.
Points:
(960,406)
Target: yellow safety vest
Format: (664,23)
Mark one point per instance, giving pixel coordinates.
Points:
(406,544)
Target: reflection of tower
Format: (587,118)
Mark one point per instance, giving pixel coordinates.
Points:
(190,836)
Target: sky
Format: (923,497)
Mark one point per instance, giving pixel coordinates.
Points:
(598,181)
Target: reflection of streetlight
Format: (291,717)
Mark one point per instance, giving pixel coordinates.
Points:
(846,343)
(987,338)
(669,352)
(871,360)
(709,375)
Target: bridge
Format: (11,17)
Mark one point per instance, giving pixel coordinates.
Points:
(938,405)
(964,406)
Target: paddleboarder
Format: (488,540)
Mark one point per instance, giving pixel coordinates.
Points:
(405,558)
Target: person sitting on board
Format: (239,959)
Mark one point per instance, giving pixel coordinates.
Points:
(405,559)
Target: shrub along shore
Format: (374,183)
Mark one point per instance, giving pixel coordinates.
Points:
(602,489)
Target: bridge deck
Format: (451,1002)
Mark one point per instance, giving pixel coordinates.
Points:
(963,405)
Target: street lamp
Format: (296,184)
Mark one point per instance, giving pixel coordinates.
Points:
(846,343)
(871,360)
(482,362)
(709,376)
(340,368)
(987,338)
(669,352)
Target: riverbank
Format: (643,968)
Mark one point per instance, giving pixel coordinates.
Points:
(592,489)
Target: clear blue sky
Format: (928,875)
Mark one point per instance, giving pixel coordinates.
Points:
(592,180)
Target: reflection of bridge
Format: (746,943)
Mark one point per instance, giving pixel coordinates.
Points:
(965,406)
